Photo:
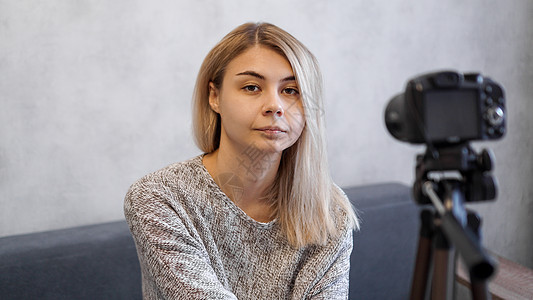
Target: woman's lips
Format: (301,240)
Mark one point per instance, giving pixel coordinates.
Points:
(271,130)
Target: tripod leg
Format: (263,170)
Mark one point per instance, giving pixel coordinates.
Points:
(444,268)
(443,279)
(479,288)
(421,273)
(423,256)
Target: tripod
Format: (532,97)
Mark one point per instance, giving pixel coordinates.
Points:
(448,225)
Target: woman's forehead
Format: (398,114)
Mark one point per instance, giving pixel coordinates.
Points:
(262,61)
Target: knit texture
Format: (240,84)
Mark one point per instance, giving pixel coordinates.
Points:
(193,242)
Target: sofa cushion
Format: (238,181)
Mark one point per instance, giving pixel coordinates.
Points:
(90,262)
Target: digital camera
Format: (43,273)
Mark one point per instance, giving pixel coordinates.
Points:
(447,108)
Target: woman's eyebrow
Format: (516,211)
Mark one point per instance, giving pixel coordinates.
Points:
(259,76)
(252,73)
(289,78)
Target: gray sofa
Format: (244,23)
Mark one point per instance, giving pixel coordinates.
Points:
(100,261)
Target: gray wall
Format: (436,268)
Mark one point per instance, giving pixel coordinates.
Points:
(95,94)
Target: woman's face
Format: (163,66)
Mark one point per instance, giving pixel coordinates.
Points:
(259,103)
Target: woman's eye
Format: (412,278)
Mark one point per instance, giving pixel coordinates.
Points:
(251,88)
(291,91)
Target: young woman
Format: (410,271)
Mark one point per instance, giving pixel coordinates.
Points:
(256,216)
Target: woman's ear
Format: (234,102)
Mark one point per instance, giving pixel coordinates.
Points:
(213,97)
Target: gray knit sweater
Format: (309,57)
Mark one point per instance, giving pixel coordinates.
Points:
(193,242)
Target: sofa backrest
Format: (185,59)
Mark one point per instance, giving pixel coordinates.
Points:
(100,261)
(384,252)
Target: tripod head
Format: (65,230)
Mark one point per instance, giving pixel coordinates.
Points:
(477,183)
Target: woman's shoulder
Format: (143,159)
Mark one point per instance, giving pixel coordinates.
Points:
(172,177)
(173,172)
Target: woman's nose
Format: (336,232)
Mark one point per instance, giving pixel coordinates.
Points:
(273,106)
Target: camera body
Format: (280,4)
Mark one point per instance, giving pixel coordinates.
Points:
(447,108)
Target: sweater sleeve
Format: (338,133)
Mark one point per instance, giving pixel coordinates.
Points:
(334,284)
(174,262)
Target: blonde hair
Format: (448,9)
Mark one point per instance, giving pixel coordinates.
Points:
(304,196)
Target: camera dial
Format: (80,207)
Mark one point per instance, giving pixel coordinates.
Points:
(495,116)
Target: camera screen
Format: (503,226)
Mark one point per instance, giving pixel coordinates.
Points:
(451,115)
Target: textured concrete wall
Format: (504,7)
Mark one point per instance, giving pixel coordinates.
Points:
(95,94)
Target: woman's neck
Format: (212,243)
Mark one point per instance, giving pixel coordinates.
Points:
(245,178)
